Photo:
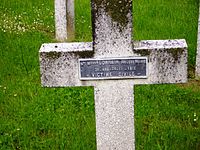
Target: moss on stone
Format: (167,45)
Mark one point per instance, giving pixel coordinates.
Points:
(117,9)
(53,55)
(176,52)
(142,52)
(85,54)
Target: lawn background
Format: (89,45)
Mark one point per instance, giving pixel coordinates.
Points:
(32,117)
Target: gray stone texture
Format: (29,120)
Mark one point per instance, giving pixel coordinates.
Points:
(114,107)
(112,33)
(167,62)
(114,100)
(112,36)
(64,20)
(60,20)
(59,63)
(70,20)
(198,50)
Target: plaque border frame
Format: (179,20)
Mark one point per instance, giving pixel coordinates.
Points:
(113,78)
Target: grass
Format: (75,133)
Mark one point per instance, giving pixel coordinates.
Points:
(167,121)
(32,117)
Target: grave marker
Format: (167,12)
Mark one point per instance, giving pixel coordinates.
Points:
(198,50)
(109,56)
(70,20)
(64,20)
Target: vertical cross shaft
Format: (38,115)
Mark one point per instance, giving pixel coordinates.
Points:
(114,107)
(112,34)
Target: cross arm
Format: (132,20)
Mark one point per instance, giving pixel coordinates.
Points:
(167,62)
(59,63)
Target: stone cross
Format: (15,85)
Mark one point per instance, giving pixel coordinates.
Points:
(113,64)
(198,50)
(64,20)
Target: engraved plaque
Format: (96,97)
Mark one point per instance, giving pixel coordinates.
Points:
(113,68)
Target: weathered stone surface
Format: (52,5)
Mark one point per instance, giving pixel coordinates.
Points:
(70,20)
(59,63)
(66,47)
(114,107)
(114,100)
(112,33)
(198,50)
(114,8)
(112,28)
(167,62)
(60,20)
(64,19)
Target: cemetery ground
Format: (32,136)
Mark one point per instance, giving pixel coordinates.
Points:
(33,117)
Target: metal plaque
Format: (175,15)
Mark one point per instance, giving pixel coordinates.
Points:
(113,68)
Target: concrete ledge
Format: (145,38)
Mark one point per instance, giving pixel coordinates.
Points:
(167,62)
(159,44)
(59,63)
(66,47)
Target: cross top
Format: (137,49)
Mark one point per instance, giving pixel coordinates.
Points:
(108,64)
(112,28)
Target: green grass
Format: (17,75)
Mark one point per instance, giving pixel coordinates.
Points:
(168,19)
(165,119)
(32,117)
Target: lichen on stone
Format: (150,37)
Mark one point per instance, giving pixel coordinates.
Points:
(85,54)
(175,52)
(118,10)
(53,55)
(142,52)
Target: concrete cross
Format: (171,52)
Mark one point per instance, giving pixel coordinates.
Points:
(64,20)
(112,64)
(198,50)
